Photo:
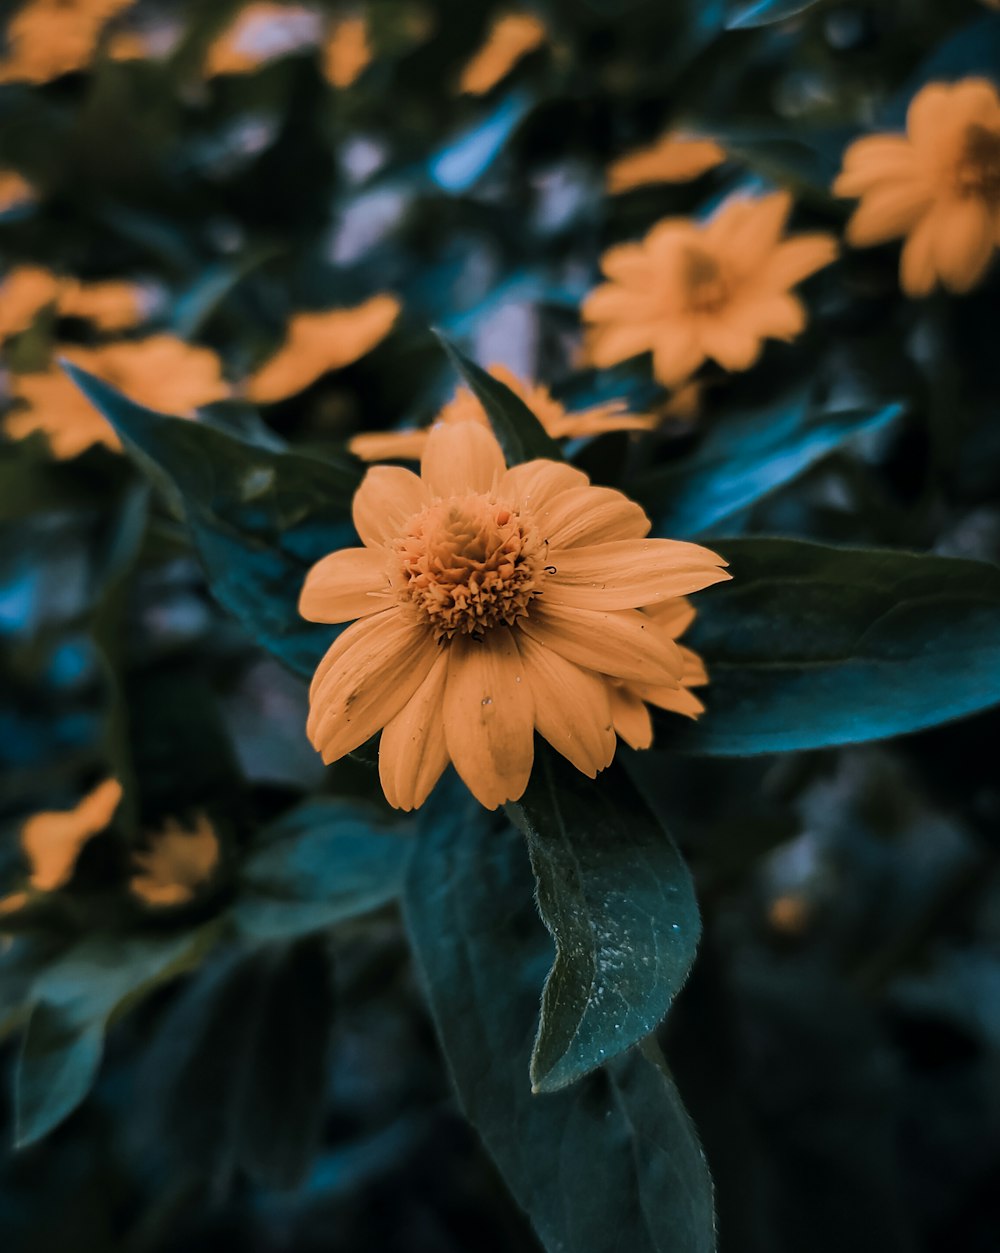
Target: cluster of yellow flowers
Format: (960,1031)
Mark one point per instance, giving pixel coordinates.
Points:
(159,370)
(176,862)
(489,603)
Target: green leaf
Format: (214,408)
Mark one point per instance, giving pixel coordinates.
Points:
(325,862)
(811,646)
(618,900)
(238,1073)
(611,1163)
(259,518)
(743,460)
(522,437)
(765,12)
(72,1000)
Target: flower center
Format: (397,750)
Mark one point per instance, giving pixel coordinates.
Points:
(469,564)
(978,169)
(706,290)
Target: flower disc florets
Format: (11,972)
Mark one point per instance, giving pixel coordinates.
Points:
(468,564)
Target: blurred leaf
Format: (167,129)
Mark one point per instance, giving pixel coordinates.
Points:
(743,459)
(319,865)
(519,432)
(806,160)
(460,164)
(812,646)
(612,1162)
(764,12)
(259,518)
(618,900)
(238,1073)
(72,1000)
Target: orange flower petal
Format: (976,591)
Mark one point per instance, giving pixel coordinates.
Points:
(963,243)
(677,700)
(572,707)
(593,515)
(674,616)
(489,717)
(316,343)
(389,445)
(536,484)
(347,51)
(52,841)
(389,496)
(348,584)
(622,644)
(369,673)
(510,38)
(677,353)
(796,259)
(459,458)
(629,573)
(887,212)
(733,346)
(413,753)
(917,271)
(674,158)
(631,717)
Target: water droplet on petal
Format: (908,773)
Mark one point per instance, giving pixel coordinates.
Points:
(487,700)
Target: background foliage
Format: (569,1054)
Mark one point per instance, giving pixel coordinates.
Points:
(273,1064)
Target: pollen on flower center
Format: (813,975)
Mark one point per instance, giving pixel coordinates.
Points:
(468,564)
(978,169)
(706,290)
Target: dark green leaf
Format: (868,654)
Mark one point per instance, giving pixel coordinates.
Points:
(72,1000)
(743,460)
(619,902)
(811,646)
(613,1162)
(259,518)
(520,433)
(764,12)
(323,863)
(240,1065)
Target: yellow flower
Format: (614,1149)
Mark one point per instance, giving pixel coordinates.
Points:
(346,50)
(261,32)
(177,862)
(318,342)
(47,38)
(25,291)
(674,158)
(937,186)
(409,445)
(160,372)
(15,190)
(491,603)
(110,306)
(690,290)
(52,840)
(510,38)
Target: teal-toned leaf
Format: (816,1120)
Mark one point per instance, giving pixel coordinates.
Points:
(460,164)
(619,902)
(72,1000)
(325,862)
(804,160)
(812,646)
(611,1163)
(259,518)
(765,12)
(238,1073)
(520,433)
(744,459)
